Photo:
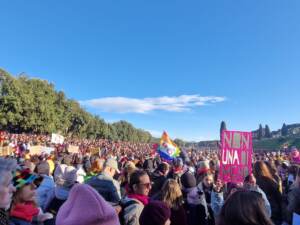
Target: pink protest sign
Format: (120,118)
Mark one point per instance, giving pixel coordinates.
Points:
(236,156)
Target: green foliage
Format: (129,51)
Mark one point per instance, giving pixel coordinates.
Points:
(260,132)
(179,142)
(222,127)
(284,130)
(34,106)
(267,132)
(274,144)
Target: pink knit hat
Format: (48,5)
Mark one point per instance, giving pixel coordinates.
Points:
(86,207)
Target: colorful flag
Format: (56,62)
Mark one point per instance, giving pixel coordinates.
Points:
(167,149)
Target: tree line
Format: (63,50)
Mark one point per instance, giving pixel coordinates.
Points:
(29,105)
(261,132)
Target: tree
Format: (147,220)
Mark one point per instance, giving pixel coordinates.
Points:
(284,130)
(260,132)
(34,106)
(179,142)
(267,132)
(223,127)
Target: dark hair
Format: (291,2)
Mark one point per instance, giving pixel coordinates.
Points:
(244,208)
(135,178)
(261,169)
(298,172)
(163,167)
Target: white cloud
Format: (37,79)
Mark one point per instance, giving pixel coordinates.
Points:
(134,105)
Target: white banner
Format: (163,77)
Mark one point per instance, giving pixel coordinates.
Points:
(57,139)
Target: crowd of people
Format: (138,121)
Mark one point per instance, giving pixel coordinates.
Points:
(129,184)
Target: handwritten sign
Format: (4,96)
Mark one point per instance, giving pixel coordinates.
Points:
(35,150)
(57,139)
(73,149)
(5,151)
(47,150)
(236,156)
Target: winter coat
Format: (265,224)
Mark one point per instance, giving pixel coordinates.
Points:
(293,203)
(132,212)
(44,190)
(158,181)
(178,216)
(107,187)
(271,189)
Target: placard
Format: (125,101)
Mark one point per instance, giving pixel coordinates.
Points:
(236,156)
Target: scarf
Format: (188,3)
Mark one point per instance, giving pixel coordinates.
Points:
(142,198)
(25,211)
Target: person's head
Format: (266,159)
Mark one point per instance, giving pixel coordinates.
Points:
(140,182)
(272,168)
(208,180)
(97,165)
(244,208)
(111,167)
(155,213)
(250,180)
(43,168)
(171,194)
(67,160)
(260,169)
(29,165)
(163,168)
(177,163)
(212,165)
(23,181)
(67,178)
(83,198)
(230,189)
(188,180)
(129,169)
(6,187)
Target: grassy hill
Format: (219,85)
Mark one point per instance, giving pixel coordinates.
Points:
(275,144)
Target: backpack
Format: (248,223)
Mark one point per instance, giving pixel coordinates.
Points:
(124,205)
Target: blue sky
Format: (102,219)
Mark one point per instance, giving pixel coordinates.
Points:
(180,66)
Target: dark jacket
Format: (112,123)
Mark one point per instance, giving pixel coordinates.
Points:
(293,203)
(16,221)
(178,217)
(107,187)
(158,181)
(271,189)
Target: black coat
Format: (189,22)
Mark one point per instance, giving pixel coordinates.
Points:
(271,188)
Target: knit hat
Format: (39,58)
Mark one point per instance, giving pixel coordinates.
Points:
(85,206)
(155,213)
(112,163)
(22,178)
(67,176)
(188,180)
(177,162)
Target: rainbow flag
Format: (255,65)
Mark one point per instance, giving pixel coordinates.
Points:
(167,149)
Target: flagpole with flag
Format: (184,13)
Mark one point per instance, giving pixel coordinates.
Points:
(167,149)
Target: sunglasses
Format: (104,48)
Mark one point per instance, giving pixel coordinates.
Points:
(147,185)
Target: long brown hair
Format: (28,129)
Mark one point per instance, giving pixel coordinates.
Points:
(171,194)
(261,170)
(244,208)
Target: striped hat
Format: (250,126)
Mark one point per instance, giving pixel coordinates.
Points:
(22,178)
